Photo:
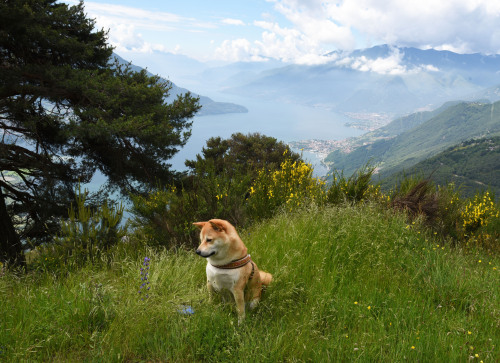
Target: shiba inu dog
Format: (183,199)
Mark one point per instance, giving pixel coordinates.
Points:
(229,266)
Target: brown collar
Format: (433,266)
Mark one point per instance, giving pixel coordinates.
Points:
(235,264)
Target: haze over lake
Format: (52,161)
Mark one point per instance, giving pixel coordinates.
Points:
(284,121)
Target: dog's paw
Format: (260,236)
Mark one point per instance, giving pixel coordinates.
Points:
(253,304)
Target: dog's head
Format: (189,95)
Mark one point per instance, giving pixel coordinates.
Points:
(219,239)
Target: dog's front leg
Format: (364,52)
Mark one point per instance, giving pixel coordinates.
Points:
(211,291)
(239,298)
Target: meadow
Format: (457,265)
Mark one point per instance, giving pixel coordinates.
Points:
(352,282)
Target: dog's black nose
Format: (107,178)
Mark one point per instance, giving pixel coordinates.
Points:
(198,252)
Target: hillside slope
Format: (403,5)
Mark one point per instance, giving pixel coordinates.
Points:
(349,283)
(209,106)
(455,124)
(473,165)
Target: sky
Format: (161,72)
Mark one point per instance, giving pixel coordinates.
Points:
(294,31)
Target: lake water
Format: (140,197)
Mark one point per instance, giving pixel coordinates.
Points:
(284,121)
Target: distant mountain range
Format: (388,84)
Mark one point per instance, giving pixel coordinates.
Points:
(437,100)
(381,79)
(209,106)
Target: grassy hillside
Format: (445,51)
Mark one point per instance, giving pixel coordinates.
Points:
(406,123)
(350,283)
(455,124)
(474,165)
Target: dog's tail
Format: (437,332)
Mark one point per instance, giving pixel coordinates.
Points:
(265,278)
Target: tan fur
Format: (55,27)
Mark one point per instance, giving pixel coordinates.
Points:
(220,245)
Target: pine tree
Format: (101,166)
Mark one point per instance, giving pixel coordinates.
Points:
(66,111)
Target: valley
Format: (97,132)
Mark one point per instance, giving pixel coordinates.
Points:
(348,111)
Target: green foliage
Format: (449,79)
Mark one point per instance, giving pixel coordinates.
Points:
(165,216)
(76,113)
(449,127)
(241,154)
(472,164)
(292,186)
(217,186)
(355,188)
(446,213)
(351,282)
(86,236)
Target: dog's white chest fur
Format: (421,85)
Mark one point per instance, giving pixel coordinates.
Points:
(222,279)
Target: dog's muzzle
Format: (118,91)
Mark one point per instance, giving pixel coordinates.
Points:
(200,252)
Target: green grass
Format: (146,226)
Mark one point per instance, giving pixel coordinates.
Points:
(350,284)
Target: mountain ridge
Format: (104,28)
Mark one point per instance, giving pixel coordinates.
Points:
(452,125)
(209,106)
(472,165)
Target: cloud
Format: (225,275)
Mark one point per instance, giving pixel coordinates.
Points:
(286,44)
(469,26)
(388,65)
(319,26)
(125,23)
(392,64)
(238,50)
(230,21)
(303,31)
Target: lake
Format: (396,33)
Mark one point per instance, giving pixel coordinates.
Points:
(284,121)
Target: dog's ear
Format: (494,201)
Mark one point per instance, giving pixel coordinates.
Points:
(199,224)
(218,227)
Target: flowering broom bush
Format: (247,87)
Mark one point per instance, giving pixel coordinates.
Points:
(479,212)
(291,186)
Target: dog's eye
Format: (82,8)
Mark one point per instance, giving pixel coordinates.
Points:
(209,240)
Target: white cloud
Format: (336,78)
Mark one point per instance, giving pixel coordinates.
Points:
(238,50)
(286,44)
(125,23)
(230,21)
(464,25)
(313,28)
(392,64)
(319,26)
(388,65)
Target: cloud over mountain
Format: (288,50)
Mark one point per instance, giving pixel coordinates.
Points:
(298,31)
(316,26)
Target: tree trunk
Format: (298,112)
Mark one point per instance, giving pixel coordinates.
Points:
(11,248)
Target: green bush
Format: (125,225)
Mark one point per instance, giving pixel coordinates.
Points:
(165,216)
(86,236)
(353,189)
(459,220)
(291,187)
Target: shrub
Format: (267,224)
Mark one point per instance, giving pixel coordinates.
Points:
(86,236)
(165,216)
(291,186)
(479,212)
(353,189)
(418,198)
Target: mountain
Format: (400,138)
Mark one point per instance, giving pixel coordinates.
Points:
(403,124)
(209,106)
(381,79)
(472,165)
(454,124)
